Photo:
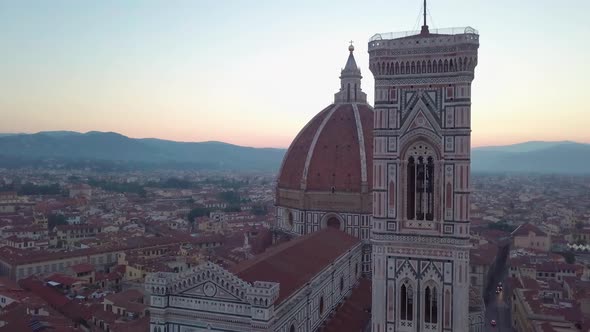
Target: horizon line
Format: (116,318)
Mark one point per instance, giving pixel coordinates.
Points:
(266,147)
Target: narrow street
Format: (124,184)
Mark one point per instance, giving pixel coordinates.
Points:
(499,310)
(498,307)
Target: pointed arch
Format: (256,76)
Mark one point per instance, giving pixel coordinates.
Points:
(406,301)
(440,66)
(332,220)
(430,305)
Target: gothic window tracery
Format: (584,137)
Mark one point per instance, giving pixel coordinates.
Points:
(406,302)
(420,183)
(430,305)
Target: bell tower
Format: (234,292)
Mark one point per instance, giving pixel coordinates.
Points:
(421,185)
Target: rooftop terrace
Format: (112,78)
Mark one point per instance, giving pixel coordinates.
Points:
(443,31)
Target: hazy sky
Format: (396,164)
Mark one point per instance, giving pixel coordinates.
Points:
(254,72)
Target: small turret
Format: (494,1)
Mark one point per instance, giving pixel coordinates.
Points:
(350,82)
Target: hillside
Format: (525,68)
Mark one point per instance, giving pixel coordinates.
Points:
(108,146)
(99,147)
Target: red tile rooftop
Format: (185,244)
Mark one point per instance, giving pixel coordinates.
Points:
(18,256)
(484,254)
(526,228)
(130,299)
(354,313)
(82,268)
(64,279)
(294,263)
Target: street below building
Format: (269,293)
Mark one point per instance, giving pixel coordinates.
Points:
(497,306)
(498,309)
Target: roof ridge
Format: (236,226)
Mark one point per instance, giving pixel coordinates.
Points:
(273,251)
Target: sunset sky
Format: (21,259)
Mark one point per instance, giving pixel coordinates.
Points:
(254,72)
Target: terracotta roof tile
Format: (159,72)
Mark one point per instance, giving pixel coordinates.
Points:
(296,262)
(335,160)
(526,228)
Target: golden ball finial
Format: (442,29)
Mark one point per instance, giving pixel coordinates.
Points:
(351,47)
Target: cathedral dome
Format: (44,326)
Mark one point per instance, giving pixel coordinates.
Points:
(328,166)
(332,153)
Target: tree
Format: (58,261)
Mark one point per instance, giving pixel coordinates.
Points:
(501,225)
(569,256)
(259,210)
(230,197)
(56,219)
(197,212)
(232,208)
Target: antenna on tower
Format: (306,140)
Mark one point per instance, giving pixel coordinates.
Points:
(424,12)
(425,26)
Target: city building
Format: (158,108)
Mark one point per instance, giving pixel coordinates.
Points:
(325,177)
(421,178)
(385,189)
(529,236)
(293,287)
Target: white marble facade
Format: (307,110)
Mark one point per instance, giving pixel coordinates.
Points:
(421,171)
(210,298)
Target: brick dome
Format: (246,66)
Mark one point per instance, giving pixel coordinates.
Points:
(332,153)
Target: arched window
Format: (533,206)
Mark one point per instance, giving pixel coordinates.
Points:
(333,222)
(411,188)
(430,305)
(355,91)
(321,305)
(406,302)
(348,93)
(292,328)
(290,219)
(341,284)
(420,184)
(402,302)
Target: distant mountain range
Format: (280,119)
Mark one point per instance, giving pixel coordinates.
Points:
(108,146)
(562,157)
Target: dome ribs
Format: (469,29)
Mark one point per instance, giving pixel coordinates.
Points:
(326,156)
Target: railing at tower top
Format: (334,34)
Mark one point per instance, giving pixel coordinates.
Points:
(443,31)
